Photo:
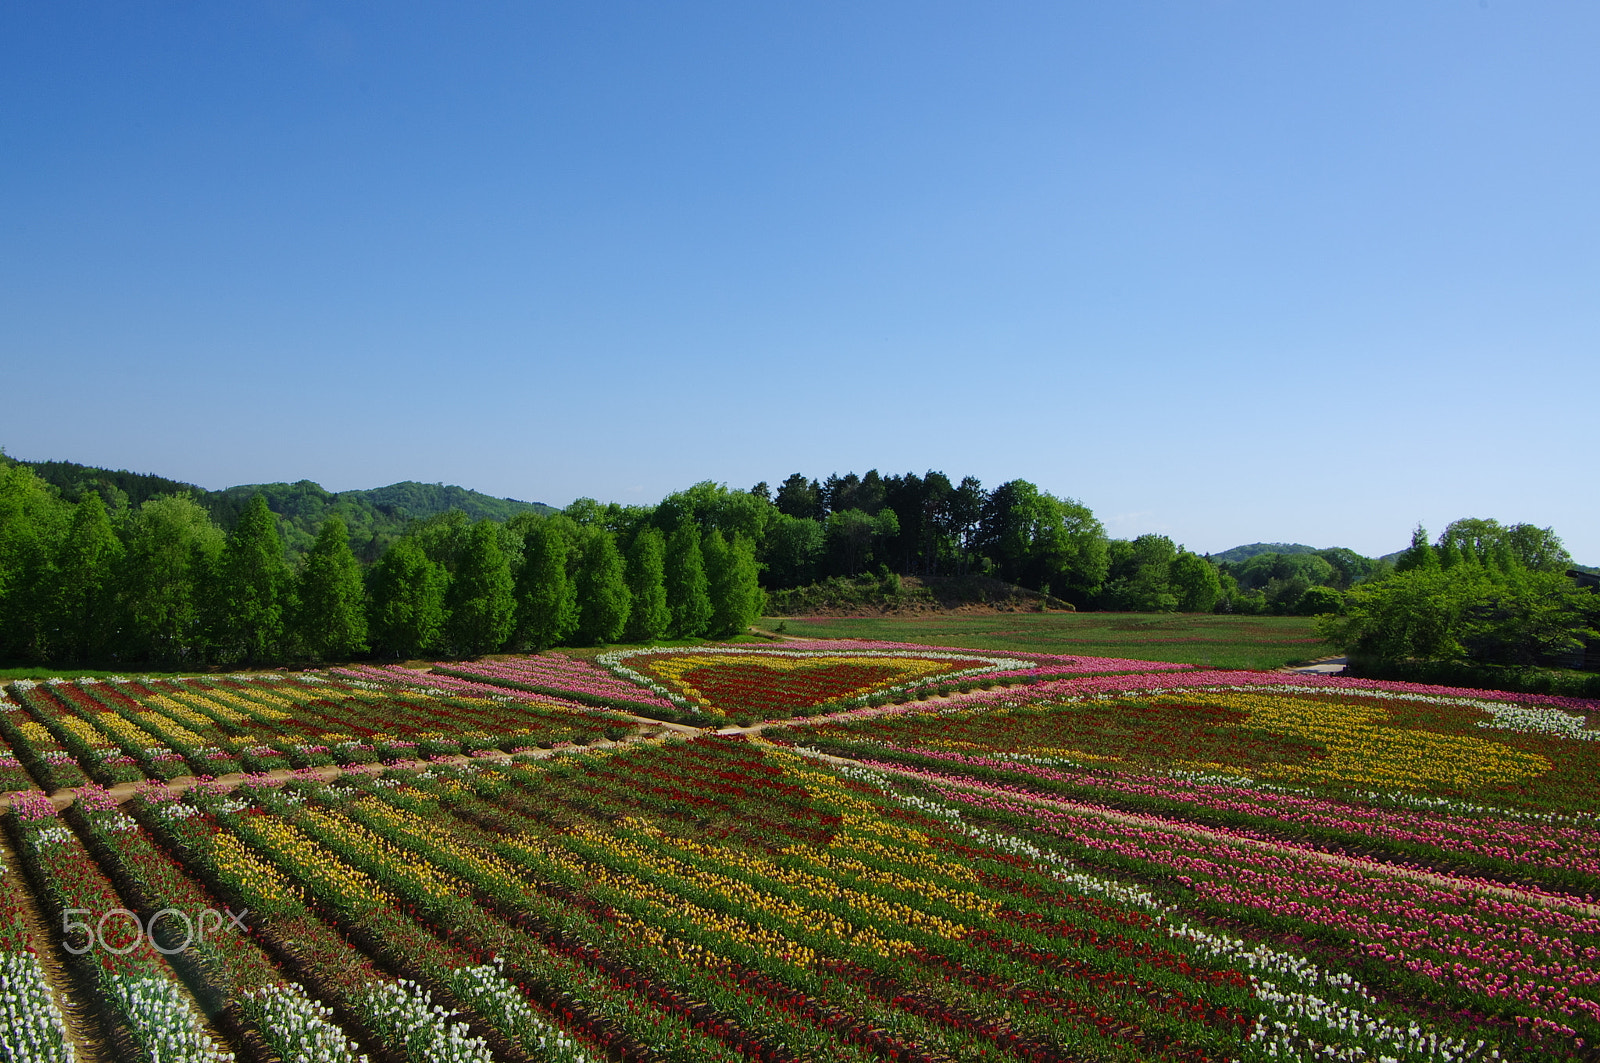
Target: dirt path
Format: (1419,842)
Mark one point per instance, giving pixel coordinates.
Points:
(82,1031)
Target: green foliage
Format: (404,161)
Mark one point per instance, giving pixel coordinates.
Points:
(547,606)
(1194,583)
(1317,601)
(172,548)
(736,595)
(33,520)
(602,586)
(711,505)
(649,618)
(799,498)
(480,599)
(1419,555)
(1469,612)
(1140,576)
(794,551)
(81,604)
(250,596)
(688,592)
(331,618)
(407,601)
(1035,538)
(854,537)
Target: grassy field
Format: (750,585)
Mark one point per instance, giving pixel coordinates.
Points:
(1204,639)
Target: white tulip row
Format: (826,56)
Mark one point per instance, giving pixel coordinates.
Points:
(163,1022)
(31,1028)
(486,989)
(403,1013)
(299,1029)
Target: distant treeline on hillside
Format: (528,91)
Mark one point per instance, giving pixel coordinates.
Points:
(374,517)
(87,572)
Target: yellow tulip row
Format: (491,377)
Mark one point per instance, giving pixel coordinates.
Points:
(817,886)
(397,861)
(128,732)
(182,707)
(497,871)
(238,862)
(804,917)
(1363,749)
(314,860)
(87,733)
(37,733)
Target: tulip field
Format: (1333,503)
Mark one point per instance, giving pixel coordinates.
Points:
(923,854)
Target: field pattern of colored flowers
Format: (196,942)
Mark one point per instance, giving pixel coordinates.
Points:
(125,730)
(1143,866)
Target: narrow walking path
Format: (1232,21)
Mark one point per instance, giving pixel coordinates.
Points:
(83,1033)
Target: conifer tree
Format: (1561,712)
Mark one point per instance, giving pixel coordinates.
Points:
(81,589)
(650,618)
(331,615)
(1419,555)
(547,605)
(407,591)
(603,598)
(251,591)
(688,593)
(482,607)
(736,595)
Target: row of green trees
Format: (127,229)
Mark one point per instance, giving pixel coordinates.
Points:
(1483,593)
(163,583)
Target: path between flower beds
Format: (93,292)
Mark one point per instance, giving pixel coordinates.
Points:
(87,1048)
(123,792)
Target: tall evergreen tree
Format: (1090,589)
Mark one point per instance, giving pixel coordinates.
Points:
(647,569)
(331,616)
(1420,554)
(688,593)
(603,598)
(547,605)
(406,594)
(250,595)
(736,595)
(81,591)
(482,608)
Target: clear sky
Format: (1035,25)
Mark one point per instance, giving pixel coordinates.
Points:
(1228,271)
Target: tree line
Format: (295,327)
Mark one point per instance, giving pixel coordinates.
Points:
(1482,593)
(164,583)
(164,580)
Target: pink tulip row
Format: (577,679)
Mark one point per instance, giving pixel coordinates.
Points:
(559,672)
(1541,844)
(1497,948)
(1150,681)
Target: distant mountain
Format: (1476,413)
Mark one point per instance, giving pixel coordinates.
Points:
(1245,553)
(375,517)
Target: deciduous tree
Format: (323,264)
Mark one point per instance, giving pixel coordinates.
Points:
(331,616)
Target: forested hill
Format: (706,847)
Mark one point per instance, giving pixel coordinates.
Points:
(1245,553)
(375,517)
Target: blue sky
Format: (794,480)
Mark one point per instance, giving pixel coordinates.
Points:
(1228,271)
